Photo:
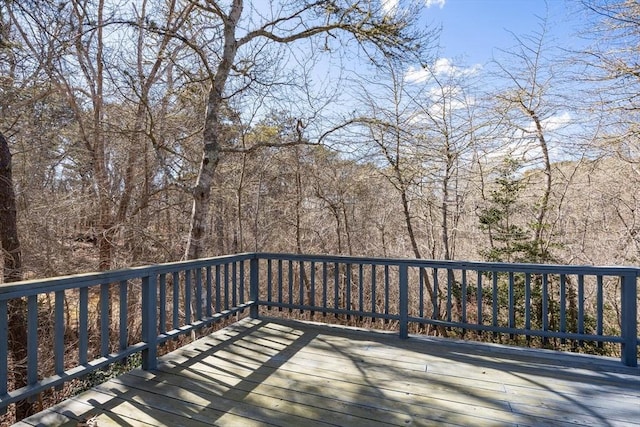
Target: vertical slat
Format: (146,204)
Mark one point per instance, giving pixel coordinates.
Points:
(149,323)
(209,291)
(324,288)
(290,283)
(104,319)
(581,306)
(83,326)
(234,284)
(347,303)
(269,282)
(124,338)
(32,339)
(479,297)
(163,303)
(421,292)
(494,302)
(463,291)
(360,288)
(563,305)
(280,283)
(312,271)
(241,283)
(218,291)
(336,286)
(254,285)
(545,302)
(449,294)
(4,343)
(59,332)
(527,301)
(198,276)
(301,285)
(226,286)
(386,291)
(176,300)
(512,302)
(187,297)
(436,290)
(599,309)
(403,278)
(373,288)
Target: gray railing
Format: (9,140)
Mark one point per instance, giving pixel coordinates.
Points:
(79,324)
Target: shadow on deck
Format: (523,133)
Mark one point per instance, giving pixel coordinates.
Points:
(288,373)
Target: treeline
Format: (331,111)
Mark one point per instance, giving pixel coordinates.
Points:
(161,130)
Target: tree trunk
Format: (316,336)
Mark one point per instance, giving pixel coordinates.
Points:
(12,272)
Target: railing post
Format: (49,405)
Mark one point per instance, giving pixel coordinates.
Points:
(629,295)
(404,301)
(254,280)
(149,323)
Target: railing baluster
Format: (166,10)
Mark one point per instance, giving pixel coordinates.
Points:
(599,308)
(123,342)
(336,286)
(163,303)
(324,288)
(32,339)
(218,292)
(149,323)
(386,291)
(436,291)
(187,296)
(254,287)
(373,288)
(241,290)
(563,305)
(449,294)
(545,305)
(226,286)
(198,276)
(347,304)
(403,303)
(421,273)
(4,344)
(312,271)
(176,299)
(234,284)
(269,282)
(494,301)
(83,326)
(209,291)
(527,302)
(280,283)
(290,284)
(59,332)
(105,305)
(479,297)
(512,303)
(360,289)
(301,285)
(463,291)
(581,307)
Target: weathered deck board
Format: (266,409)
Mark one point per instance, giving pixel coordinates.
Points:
(275,372)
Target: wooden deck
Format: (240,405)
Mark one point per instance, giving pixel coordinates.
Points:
(285,373)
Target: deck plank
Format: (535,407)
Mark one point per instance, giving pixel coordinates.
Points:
(286,373)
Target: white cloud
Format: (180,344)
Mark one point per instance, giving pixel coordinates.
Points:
(443,67)
(430,3)
(390,7)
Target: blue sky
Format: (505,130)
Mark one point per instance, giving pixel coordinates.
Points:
(472,30)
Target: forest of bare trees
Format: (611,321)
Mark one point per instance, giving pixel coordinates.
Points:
(156,130)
